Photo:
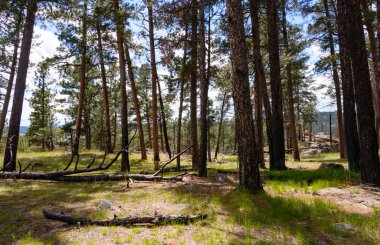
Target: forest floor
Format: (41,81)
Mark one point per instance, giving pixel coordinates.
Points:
(295,207)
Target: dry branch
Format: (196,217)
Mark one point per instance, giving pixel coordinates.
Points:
(171,160)
(128,221)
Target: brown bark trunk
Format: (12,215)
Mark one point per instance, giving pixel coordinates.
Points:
(375,62)
(136,103)
(163,117)
(203,93)
(182,85)
(278,156)
(220,125)
(335,79)
(193,85)
(156,152)
(249,176)
(82,88)
(369,158)
(108,145)
(259,80)
(18,98)
(289,89)
(350,124)
(123,93)
(148,125)
(12,73)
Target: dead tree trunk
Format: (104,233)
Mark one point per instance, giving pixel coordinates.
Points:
(128,221)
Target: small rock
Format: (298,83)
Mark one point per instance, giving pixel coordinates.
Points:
(343,226)
(220,177)
(326,165)
(104,204)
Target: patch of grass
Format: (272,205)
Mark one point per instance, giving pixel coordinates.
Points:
(117,240)
(147,241)
(129,238)
(136,230)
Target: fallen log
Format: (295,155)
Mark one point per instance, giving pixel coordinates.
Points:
(128,221)
(85,178)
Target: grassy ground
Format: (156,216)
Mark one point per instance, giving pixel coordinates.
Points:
(286,213)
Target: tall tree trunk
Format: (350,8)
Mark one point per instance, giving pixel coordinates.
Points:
(148,125)
(193,85)
(163,117)
(12,73)
(350,124)
(259,81)
(154,86)
(108,145)
(18,98)
(375,62)
(136,103)
(369,158)
(123,93)
(161,133)
(182,85)
(220,125)
(334,64)
(82,88)
(289,88)
(203,93)
(245,131)
(278,155)
(115,127)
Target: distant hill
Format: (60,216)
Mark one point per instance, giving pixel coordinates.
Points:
(323,123)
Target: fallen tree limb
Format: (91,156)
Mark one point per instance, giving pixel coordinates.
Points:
(171,160)
(128,221)
(86,178)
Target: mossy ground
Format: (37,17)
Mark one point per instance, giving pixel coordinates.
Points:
(236,217)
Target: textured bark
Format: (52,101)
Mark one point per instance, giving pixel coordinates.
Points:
(249,176)
(350,123)
(257,60)
(193,85)
(136,103)
(18,98)
(335,78)
(163,117)
(220,125)
(156,153)
(106,105)
(123,93)
(369,158)
(375,83)
(149,125)
(82,82)
(278,155)
(203,93)
(180,110)
(128,221)
(7,98)
(290,88)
